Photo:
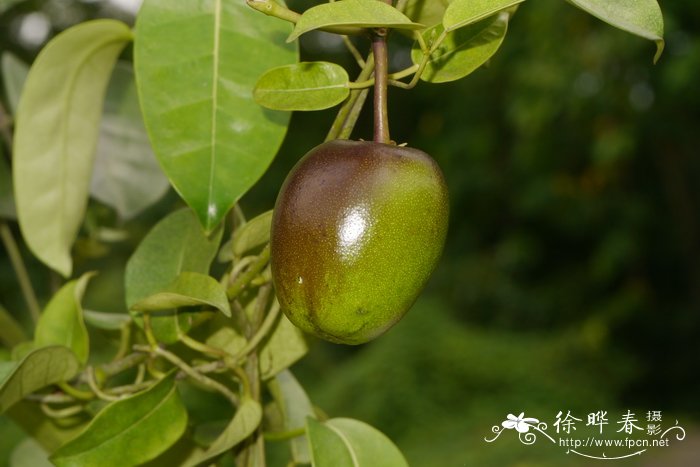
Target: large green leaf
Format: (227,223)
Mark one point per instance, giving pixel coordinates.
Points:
(462,13)
(175,245)
(463,50)
(14,74)
(285,347)
(354,13)
(39,368)
(427,12)
(639,17)
(62,323)
(196,65)
(295,406)
(341,442)
(130,431)
(244,423)
(189,289)
(126,176)
(56,133)
(303,86)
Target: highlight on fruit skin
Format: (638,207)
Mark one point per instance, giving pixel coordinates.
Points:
(357,230)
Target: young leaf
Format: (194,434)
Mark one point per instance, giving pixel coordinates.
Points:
(283,349)
(189,289)
(129,431)
(303,86)
(244,423)
(196,64)
(7,200)
(254,234)
(56,133)
(356,13)
(39,368)
(126,176)
(463,50)
(106,321)
(176,244)
(14,74)
(345,442)
(642,18)
(427,12)
(62,323)
(295,406)
(462,13)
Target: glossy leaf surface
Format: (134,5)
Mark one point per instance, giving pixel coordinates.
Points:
(56,134)
(462,13)
(129,431)
(356,13)
(303,86)
(196,64)
(426,12)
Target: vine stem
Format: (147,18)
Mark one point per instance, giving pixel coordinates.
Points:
(350,110)
(25,284)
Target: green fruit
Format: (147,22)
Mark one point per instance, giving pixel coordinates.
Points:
(357,229)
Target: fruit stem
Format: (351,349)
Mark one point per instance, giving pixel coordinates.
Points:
(381,116)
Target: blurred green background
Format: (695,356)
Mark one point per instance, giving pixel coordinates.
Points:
(571,275)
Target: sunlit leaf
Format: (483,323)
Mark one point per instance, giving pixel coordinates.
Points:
(462,13)
(303,86)
(344,442)
(463,50)
(244,423)
(175,245)
(14,74)
(126,176)
(56,133)
(188,289)
(295,406)
(129,431)
(62,323)
(356,13)
(196,64)
(642,18)
(426,12)
(39,368)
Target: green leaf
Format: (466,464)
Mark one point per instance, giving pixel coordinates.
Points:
(642,18)
(126,176)
(463,50)
(39,368)
(295,406)
(29,453)
(352,13)
(303,86)
(427,12)
(11,333)
(7,199)
(341,442)
(56,133)
(244,423)
(62,323)
(462,13)
(106,321)
(50,435)
(175,245)
(129,431)
(196,64)
(226,338)
(14,75)
(253,234)
(284,348)
(189,289)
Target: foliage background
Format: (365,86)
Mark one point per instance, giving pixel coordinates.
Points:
(571,276)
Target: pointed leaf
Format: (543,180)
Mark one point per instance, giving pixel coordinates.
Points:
(189,289)
(355,13)
(254,234)
(427,12)
(462,13)
(39,368)
(175,245)
(244,423)
(196,64)
(56,133)
(642,18)
(296,407)
(106,321)
(130,431)
(464,50)
(343,441)
(62,323)
(14,74)
(126,176)
(303,86)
